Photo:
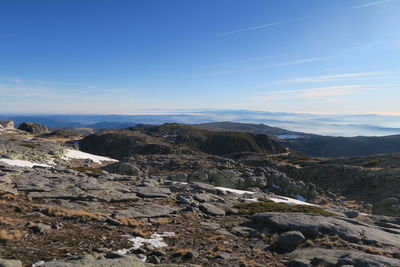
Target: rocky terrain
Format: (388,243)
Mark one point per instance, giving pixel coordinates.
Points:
(175,196)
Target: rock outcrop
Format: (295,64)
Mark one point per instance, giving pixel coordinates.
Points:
(33,128)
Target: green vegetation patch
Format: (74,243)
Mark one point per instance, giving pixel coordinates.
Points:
(266,205)
(372,163)
(88,169)
(29,145)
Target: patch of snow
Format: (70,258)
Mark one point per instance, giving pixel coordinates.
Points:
(276,198)
(76,154)
(252,199)
(236,191)
(38,264)
(156,240)
(22,163)
(288,200)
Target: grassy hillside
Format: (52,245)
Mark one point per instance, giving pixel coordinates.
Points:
(214,142)
(317,145)
(326,146)
(244,127)
(171,138)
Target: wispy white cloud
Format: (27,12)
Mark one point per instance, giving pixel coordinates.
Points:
(18,89)
(320,92)
(251,60)
(257,27)
(290,63)
(332,91)
(338,77)
(333,69)
(301,61)
(372,4)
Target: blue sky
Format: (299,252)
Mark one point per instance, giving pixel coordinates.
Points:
(117,56)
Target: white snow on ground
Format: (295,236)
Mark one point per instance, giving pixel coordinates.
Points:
(38,264)
(236,191)
(22,163)
(289,200)
(277,198)
(155,240)
(76,154)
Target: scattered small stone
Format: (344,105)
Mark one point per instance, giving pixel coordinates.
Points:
(139,251)
(351,214)
(39,228)
(154,259)
(223,256)
(190,255)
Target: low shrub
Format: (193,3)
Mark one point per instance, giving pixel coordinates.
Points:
(372,163)
(270,206)
(9,235)
(29,145)
(88,169)
(73,214)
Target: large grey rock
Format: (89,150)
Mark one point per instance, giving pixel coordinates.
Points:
(211,209)
(203,197)
(152,192)
(313,225)
(128,168)
(340,257)
(198,176)
(10,263)
(225,178)
(33,128)
(61,186)
(90,261)
(180,177)
(351,213)
(204,187)
(290,239)
(146,211)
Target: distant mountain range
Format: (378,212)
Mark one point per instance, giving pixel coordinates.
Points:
(331,125)
(301,133)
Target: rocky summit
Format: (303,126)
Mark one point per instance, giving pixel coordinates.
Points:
(177,195)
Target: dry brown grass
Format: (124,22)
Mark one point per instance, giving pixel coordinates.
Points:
(331,242)
(8,196)
(184,251)
(162,221)
(216,238)
(73,214)
(222,248)
(140,233)
(376,251)
(7,221)
(9,235)
(129,222)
